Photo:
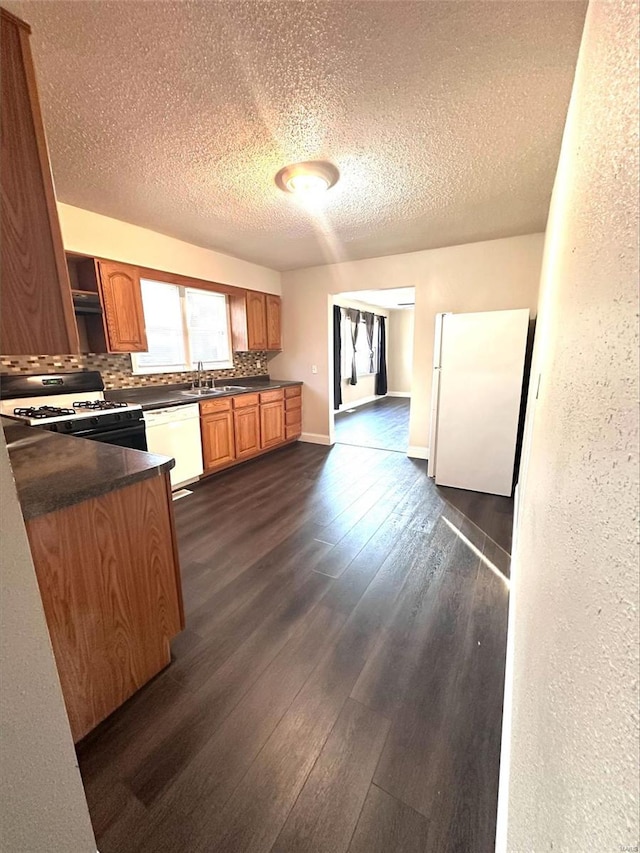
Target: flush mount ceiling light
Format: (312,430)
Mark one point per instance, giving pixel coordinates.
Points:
(307,179)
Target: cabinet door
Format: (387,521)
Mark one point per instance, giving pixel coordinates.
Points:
(256,321)
(246,424)
(122,307)
(274,328)
(36,309)
(218,446)
(271,423)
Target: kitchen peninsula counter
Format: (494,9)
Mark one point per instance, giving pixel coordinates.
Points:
(53,471)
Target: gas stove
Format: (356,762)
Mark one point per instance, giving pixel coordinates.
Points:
(72,404)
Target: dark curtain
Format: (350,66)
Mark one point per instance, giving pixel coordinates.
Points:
(353,316)
(337,356)
(381,377)
(369,322)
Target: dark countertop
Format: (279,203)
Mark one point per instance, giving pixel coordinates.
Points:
(163,396)
(56,471)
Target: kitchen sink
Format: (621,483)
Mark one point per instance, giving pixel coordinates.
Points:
(211,392)
(201,392)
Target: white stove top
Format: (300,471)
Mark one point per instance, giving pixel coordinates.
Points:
(45,409)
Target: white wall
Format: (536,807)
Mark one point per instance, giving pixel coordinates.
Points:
(42,803)
(93,234)
(571,709)
(366,387)
(475,277)
(400,350)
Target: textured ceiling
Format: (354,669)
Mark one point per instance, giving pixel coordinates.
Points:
(444,118)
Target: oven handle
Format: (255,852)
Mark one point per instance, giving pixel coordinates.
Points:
(98,435)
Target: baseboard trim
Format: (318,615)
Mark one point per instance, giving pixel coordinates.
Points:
(362,402)
(417,452)
(316,438)
(406,394)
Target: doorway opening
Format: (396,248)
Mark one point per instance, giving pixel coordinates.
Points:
(372,343)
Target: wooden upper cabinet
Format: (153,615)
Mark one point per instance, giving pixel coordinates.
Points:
(36,308)
(274,323)
(122,307)
(255,321)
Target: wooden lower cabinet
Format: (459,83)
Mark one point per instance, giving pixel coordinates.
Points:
(218,440)
(237,428)
(109,578)
(293,412)
(271,423)
(246,428)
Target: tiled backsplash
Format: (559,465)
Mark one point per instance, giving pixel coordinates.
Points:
(116,369)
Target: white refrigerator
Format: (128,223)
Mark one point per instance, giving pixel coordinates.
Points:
(477,389)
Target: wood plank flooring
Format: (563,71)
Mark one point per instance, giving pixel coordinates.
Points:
(383,424)
(338,688)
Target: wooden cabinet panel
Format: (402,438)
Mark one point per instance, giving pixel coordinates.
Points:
(122,307)
(207,406)
(218,445)
(271,396)
(36,308)
(256,321)
(242,401)
(293,403)
(271,423)
(274,323)
(246,422)
(109,580)
(293,391)
(293,417)
(294,431)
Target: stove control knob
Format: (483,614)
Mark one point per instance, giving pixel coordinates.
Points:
(94,420)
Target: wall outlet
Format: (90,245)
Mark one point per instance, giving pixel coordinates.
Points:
(314,368)
(259,364)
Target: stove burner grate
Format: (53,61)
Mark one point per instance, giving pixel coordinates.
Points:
(42,412)
(99,405)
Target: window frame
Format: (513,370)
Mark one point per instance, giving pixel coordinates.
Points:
(188,366)
(362,336)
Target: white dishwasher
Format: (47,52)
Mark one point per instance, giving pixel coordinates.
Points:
(175,431)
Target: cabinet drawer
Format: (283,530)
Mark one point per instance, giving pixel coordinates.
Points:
(296,391)
(293,418)
(292,431)
(243,401)
(208,406)
(292,403)
(272,396)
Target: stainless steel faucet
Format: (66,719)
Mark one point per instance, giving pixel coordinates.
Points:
(197,383)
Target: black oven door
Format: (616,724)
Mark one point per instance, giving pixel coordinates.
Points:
(132,435)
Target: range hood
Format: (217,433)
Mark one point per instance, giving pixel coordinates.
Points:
(86,302)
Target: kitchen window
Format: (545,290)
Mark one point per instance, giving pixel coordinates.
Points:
(184,325)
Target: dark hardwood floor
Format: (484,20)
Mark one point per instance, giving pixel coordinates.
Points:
(383,424)
(339,683)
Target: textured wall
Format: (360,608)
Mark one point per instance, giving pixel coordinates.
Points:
(400,345)
(483,276)
(42,803)
(93,234)
(116,369)
(573,646)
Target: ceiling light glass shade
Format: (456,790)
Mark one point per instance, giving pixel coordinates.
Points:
(310,178)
